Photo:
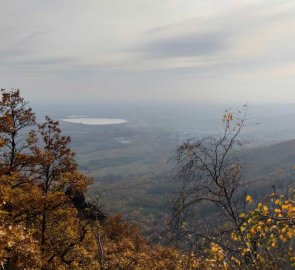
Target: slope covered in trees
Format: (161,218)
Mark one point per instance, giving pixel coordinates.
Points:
(46,222)
(136,177)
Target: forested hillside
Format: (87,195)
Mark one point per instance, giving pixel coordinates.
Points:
(139,178)
(47,221)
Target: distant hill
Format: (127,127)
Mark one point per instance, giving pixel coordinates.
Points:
(146,193)
(138,177)
(270,166)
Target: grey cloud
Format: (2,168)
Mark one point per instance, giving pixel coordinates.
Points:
(27,37)
(193,44)
(17,48)
(217,32)
(51,61)
(10,53)
(38,66)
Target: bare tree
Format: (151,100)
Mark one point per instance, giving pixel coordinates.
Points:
(208,207)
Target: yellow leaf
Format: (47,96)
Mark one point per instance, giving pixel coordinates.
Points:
(249,199)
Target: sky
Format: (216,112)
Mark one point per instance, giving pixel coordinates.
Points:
(205,51)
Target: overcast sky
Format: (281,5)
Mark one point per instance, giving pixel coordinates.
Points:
(149,50)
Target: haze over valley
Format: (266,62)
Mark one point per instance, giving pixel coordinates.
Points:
(133,160)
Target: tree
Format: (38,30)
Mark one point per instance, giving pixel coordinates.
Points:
(210,172)
(210,175)
(269,230)
(15,117)
(39,184)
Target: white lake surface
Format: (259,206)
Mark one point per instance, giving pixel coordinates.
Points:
(93,121)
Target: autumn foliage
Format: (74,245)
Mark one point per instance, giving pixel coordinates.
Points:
(46,221)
